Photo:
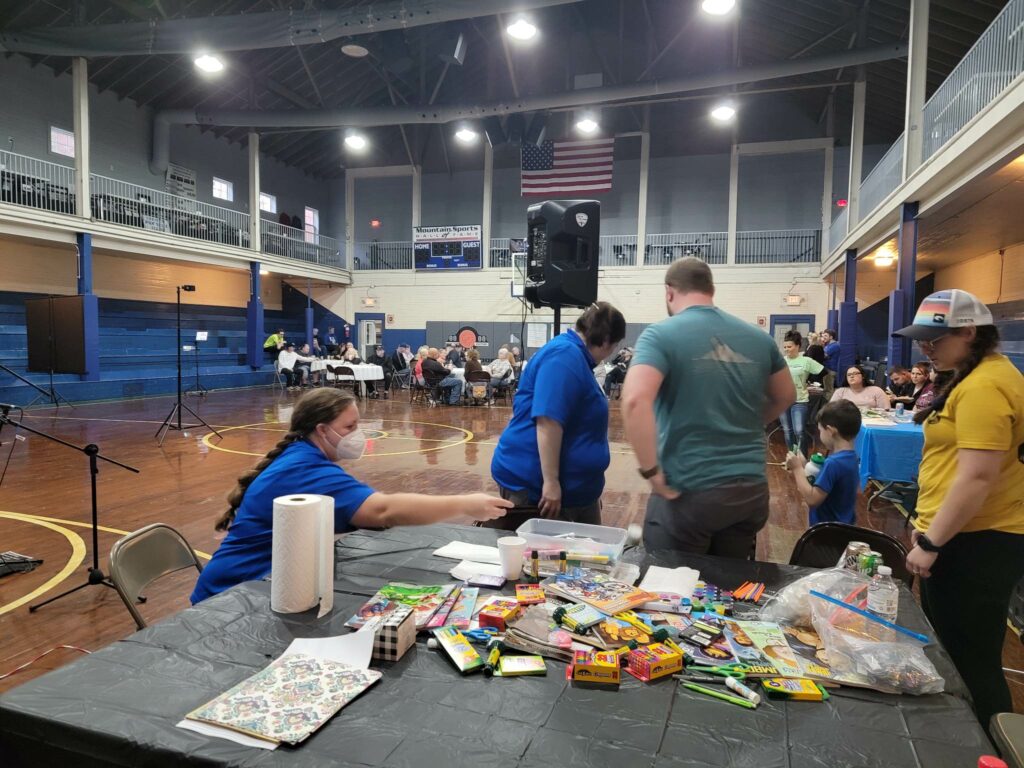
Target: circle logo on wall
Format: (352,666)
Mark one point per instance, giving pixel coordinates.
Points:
(468,337)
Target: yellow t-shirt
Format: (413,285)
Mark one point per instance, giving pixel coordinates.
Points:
(272,341)
(984,412)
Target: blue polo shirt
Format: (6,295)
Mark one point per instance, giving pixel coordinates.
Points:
(832,356)
(559,384)
(839,478)
(244,554)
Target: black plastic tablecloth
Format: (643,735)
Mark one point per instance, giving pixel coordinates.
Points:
(119,706)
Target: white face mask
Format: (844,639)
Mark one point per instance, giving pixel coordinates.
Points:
(351,446)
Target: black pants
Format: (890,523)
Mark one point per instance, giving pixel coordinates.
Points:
(967,599)
(722,521)
(590,514)
(290,376)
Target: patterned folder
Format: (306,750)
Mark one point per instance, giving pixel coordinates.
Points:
(288,700)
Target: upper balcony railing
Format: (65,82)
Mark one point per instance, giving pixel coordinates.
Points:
(837,232)
(390,254)
(36,183)
(711,247)
(883,180)
(299,244)
(992,64)
(778,246)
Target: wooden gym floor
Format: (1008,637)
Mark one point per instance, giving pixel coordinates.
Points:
(45,511)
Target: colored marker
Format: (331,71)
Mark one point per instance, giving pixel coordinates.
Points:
(719,695)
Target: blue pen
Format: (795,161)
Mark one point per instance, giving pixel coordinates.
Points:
(916,635)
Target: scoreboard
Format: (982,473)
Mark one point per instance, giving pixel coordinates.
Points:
(442,248)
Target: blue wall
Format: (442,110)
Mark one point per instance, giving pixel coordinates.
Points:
(873,322)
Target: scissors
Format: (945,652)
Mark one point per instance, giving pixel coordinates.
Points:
(734,670)
(480,635)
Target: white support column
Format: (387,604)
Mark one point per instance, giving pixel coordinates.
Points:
(255,233)
(856,154)
(826,203)
(917,70)
(80,107)
(641,214)
(734,201)
(485,225)
(350,220)
(417,195)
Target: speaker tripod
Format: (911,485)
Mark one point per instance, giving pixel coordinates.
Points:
(197,389)
(50,394)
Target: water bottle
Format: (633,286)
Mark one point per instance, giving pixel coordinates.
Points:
(899,411)
(813,467)
(883,594)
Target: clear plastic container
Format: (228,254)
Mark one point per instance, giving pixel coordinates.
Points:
(562,536)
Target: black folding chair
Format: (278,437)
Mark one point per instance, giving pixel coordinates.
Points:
(821,546)
(478,378)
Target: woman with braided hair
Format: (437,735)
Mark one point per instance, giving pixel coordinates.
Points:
(324,430)
(969,530)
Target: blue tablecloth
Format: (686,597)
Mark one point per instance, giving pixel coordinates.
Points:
(890,453)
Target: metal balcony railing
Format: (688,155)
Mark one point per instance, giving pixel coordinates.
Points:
(884,178)
(778,246)
(36,183)
(501,255)
(299,244)
(617,250)
(711,247)
(393,254)
(837,232)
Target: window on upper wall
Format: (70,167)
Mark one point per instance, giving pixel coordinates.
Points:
(312,224)
(268,203)
(62,142)
(223,190)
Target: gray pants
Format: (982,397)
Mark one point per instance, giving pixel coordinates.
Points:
(590,514)
(723,520)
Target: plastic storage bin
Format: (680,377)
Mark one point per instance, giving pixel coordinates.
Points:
(562,536)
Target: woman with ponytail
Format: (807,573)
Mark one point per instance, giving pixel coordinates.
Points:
(324,430)
(969,530)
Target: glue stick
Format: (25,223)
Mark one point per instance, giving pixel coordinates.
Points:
(535,564)
(739,688)
(562,564)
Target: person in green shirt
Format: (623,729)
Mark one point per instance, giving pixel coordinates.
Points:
(274,344)
(697,396)
(794,420)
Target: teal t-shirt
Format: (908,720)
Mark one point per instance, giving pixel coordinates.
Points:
(801,368)
(710,405)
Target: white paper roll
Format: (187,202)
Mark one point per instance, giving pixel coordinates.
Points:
(302,559)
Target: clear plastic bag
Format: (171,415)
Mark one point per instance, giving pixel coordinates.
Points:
(792,604)
(885,659)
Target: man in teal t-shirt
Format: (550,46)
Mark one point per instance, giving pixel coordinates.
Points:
(701,388)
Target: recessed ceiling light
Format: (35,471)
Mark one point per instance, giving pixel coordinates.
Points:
(264,271)
(723,113)
(466,135)
(717,7)
(207,62)
(355,50)
(587,124)
(355,140)
(521,29)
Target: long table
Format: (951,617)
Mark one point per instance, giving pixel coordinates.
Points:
(119,706)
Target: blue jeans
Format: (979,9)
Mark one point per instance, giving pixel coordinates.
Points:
(453,385)
(793,423)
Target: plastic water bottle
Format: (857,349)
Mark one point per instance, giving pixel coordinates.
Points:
(883,594)
(899,411)
(813,467)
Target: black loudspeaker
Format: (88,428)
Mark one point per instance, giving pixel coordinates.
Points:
(562,253)
(55,327)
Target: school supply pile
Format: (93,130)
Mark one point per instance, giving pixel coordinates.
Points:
(425,600)
(599,590)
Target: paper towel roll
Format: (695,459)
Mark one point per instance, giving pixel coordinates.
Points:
(302,558)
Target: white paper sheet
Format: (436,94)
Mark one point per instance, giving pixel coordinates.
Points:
(679,581)
(355,650)
(536,335)
(462,550)
(467,568)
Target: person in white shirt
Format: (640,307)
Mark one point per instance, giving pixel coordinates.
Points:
(295,367)
(500,370)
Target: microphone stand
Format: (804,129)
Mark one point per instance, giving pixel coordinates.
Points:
(96,576)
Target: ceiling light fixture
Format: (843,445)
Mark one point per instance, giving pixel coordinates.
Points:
(467,135)
(521,29)
(884,257)
(587,123)
(355,50)
(355,140)
(723,113)
(208,63)
(717,7)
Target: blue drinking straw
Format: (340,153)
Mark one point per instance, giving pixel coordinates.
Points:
(916,635)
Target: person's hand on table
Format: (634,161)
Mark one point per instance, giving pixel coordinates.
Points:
(550,499)
(660,486)
(795,460)
(482,507)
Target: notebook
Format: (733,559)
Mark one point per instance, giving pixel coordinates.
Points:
(600,590)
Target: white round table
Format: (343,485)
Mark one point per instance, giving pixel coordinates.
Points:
(361,372)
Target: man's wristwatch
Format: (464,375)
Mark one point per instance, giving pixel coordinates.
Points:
(647,474)
(926,544)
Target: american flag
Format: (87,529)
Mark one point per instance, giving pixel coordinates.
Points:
(567,167)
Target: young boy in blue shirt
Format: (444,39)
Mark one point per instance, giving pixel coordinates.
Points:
(833,497)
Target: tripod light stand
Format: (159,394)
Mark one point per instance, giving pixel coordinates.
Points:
(173,420)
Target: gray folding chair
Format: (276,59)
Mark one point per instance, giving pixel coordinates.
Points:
(142,557)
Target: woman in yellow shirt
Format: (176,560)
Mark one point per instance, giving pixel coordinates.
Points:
(969,537)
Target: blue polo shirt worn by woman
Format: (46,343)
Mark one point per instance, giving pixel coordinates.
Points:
(558,384)
(244,554)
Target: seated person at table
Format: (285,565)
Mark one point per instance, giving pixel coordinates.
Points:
(318,347)
(331,341)
(861,395)
(379,358)
(473,362)
(450,384)
(455,356)
(305,359)
(501,369)
(400,365)
(292,368)
(274,344)
(324,429)
(417,367)
(350,355)
(924,390)
(900,384)
(833,497)
(617,375)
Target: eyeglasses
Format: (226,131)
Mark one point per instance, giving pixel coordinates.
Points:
(924,344)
